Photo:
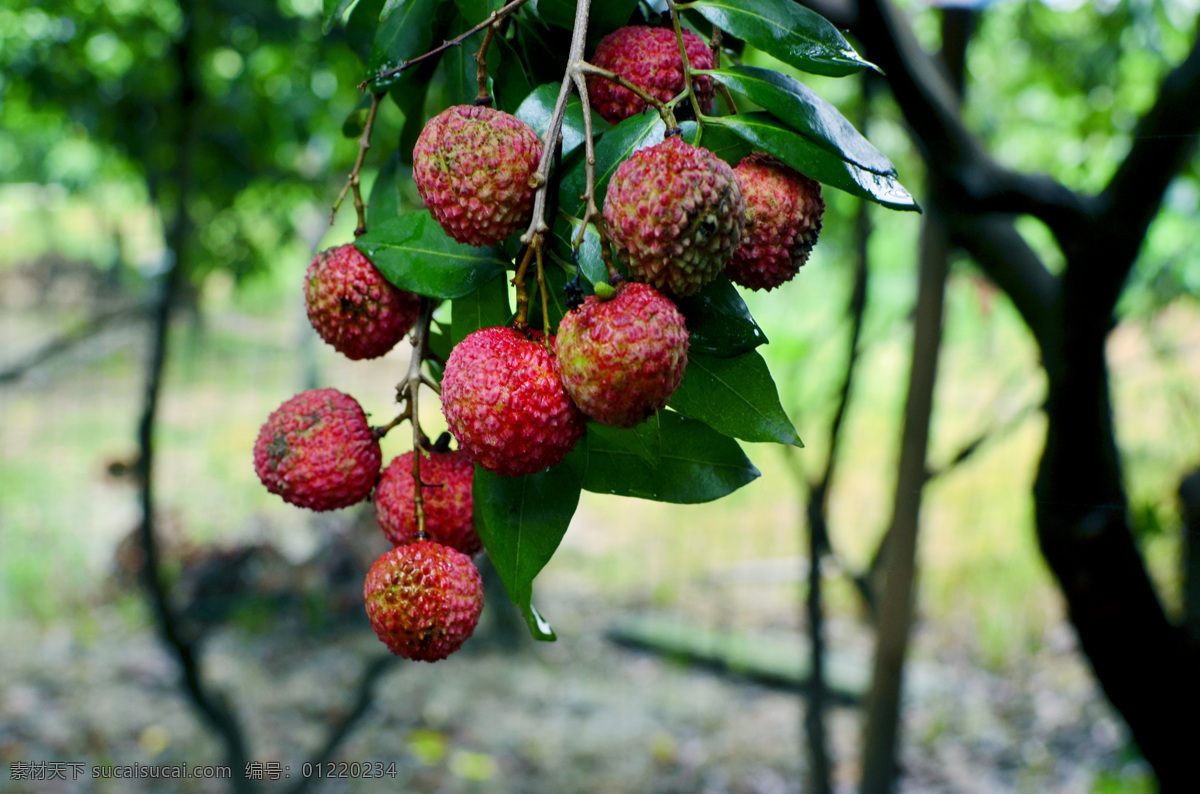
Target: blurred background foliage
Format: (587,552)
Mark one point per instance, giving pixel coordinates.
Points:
(88,116)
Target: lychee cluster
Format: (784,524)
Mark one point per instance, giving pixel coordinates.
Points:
(473,167)
(648,58)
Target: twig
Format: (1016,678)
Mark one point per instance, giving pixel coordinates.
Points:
(541,179)
(352,182)
(541,282)
(591,213)
(687,69)
(518,281)
(664,109)
(411,388)
(69,339)
(481,77)
(365,695)
(492,19)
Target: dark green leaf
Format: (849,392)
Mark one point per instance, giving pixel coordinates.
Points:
(405,31)
(768,134)
(793,102)
(734,396)
(521,521)
(332,11)
(476,11)
(718,321)
(604,17)
(644,440)
(409,96)
(461,86)
(538,108)
(360,28)
(484,307)
(788,31)
(722,142)
(384,202)
(512,83)
(696,463)
(611,150)
(415,254)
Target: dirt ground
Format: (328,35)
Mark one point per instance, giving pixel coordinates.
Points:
(579,715)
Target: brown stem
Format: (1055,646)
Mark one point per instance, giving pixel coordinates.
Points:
(541,282)
(352,183)
(485,97)
(663,108)
(492,19)
(522,320)
(411,388)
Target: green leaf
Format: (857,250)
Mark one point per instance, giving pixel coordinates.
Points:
(696,463)
(736,397)
(788,31)
(538,108)
(768,134)
(521,521)
(644,440)
(603,18)
(405,31)
(476,11)
(461,86)
(409,96)
(590,260)
(722,142)
(794,103)
(360,27)
(719,324)
(484,307)
(415,254)
(384,201)
(612,149)
(332,11)
(512,83)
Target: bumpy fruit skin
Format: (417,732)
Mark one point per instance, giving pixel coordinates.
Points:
(472,166)
(505,404)
(675,214)
(622,359)
(783,218)
(447,479)
(353,307)
(648,58)
(423,600)
(317,451)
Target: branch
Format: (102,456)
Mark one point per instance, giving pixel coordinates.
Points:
(492,19)
(1163,143)
(352,182)
(976,183)
(64,342)
(365,694)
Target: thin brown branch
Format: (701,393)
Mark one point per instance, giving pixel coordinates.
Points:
(352,182)
(687,68)
(457,41)
(481,76)
(411,388)
(664,108)
(518,281)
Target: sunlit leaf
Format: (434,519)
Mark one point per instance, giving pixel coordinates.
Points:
(736,397)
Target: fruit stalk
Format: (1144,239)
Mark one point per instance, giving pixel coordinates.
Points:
(687,68)
(538,226)
(411,388)
(352,182)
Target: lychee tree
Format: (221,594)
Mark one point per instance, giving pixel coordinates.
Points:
(599,164)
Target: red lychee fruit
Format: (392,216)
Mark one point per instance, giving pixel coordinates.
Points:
(317,451)
(505,404)
(353,307)
(423,600)
(675,214)
(472,165)
(622,359)
(648,58)
(783,218)
(446,479)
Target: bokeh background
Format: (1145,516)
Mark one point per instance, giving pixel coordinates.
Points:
(682,651)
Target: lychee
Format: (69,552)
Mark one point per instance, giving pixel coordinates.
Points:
(446,479)
(675,215)
(648,58)
(472,165)
(622,359)
(423,600)
(783,218)
(317,451)
(504,401)
(353,307)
